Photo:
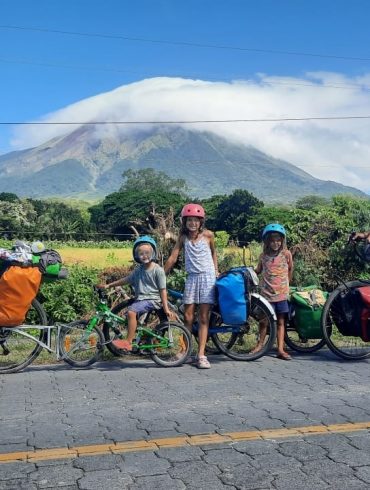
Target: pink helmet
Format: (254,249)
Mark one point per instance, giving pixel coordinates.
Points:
(192,210)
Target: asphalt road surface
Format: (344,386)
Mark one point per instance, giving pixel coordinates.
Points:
(267,424)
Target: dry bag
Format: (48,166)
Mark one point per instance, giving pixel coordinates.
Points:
(18,288)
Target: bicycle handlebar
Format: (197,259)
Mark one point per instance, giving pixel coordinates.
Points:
(102,294)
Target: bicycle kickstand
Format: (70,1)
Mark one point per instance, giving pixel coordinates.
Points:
(6,351)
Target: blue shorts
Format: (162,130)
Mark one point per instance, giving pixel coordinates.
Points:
(142,306)
(280,307)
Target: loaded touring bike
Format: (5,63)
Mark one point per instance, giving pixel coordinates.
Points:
(239,341)
(346,315)
(81,343)
(21,345)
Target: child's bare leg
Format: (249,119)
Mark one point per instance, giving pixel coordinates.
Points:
(203,328)
(262,336)
(126,344)
(280,337)
(131,325)
(189,311)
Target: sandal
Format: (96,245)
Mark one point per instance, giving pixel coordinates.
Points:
(203,363)
(122,344)
(284,356)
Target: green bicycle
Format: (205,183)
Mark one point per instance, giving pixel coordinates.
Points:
(168,343)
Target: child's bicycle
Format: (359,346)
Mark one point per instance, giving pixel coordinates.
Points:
(346,316)
(167,342)
(21,345)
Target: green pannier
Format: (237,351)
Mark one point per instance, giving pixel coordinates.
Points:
(50,264)
(308,304)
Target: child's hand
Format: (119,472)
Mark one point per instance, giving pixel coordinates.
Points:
(171,315)
(102,286)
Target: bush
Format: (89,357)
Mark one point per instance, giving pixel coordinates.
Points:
(221,239)
(72,298)
(176,280)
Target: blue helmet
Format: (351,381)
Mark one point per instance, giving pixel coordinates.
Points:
(140,241)
(273,228)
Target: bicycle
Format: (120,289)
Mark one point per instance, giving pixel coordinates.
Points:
(167,342)
(342,320)
(22,344)
(239,341)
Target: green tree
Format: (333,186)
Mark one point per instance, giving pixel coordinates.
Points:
(310,202)
(132,206)
(8,196)
(149,180)
(16,218)
(211,206)
(262,217)
(56,219)
(234,211)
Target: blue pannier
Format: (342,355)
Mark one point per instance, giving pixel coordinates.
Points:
(233,298)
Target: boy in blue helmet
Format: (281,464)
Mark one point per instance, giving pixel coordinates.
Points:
(149,283)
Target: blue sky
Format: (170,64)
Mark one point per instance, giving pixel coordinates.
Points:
(43,72)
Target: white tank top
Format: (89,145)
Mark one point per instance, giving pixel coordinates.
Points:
(198,257)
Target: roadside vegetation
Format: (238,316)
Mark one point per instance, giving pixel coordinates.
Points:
(95,241)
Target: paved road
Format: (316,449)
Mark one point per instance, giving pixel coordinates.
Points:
(137,426)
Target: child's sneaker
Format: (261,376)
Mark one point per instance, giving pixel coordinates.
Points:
(203,363)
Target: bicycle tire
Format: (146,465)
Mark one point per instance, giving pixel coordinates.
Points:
(80,348)
(297,343)
(240,345)
(346,347)
(114,330)
(179,351)
(14,342)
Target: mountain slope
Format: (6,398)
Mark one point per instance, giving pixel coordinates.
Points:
(80,163)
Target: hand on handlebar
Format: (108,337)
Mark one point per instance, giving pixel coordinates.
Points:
(356,236)
(171,315)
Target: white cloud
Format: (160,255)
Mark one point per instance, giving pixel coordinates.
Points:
(333,150)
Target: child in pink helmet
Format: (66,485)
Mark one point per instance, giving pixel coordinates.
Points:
(201,267)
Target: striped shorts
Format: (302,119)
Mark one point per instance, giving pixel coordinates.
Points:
(200,289)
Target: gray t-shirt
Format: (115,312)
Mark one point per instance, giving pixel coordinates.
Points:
(147,283)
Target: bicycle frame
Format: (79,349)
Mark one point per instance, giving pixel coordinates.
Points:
(225,328)
(104,313)
(22,330)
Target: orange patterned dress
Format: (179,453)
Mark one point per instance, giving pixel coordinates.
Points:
(275,276)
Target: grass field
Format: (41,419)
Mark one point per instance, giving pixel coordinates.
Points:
(96,257)
(102,258)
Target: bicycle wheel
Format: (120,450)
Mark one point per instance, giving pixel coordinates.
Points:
(77,346)
(300,344)
(241,344)
(17,350)
(179,344)
(344,346)
(117,330)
